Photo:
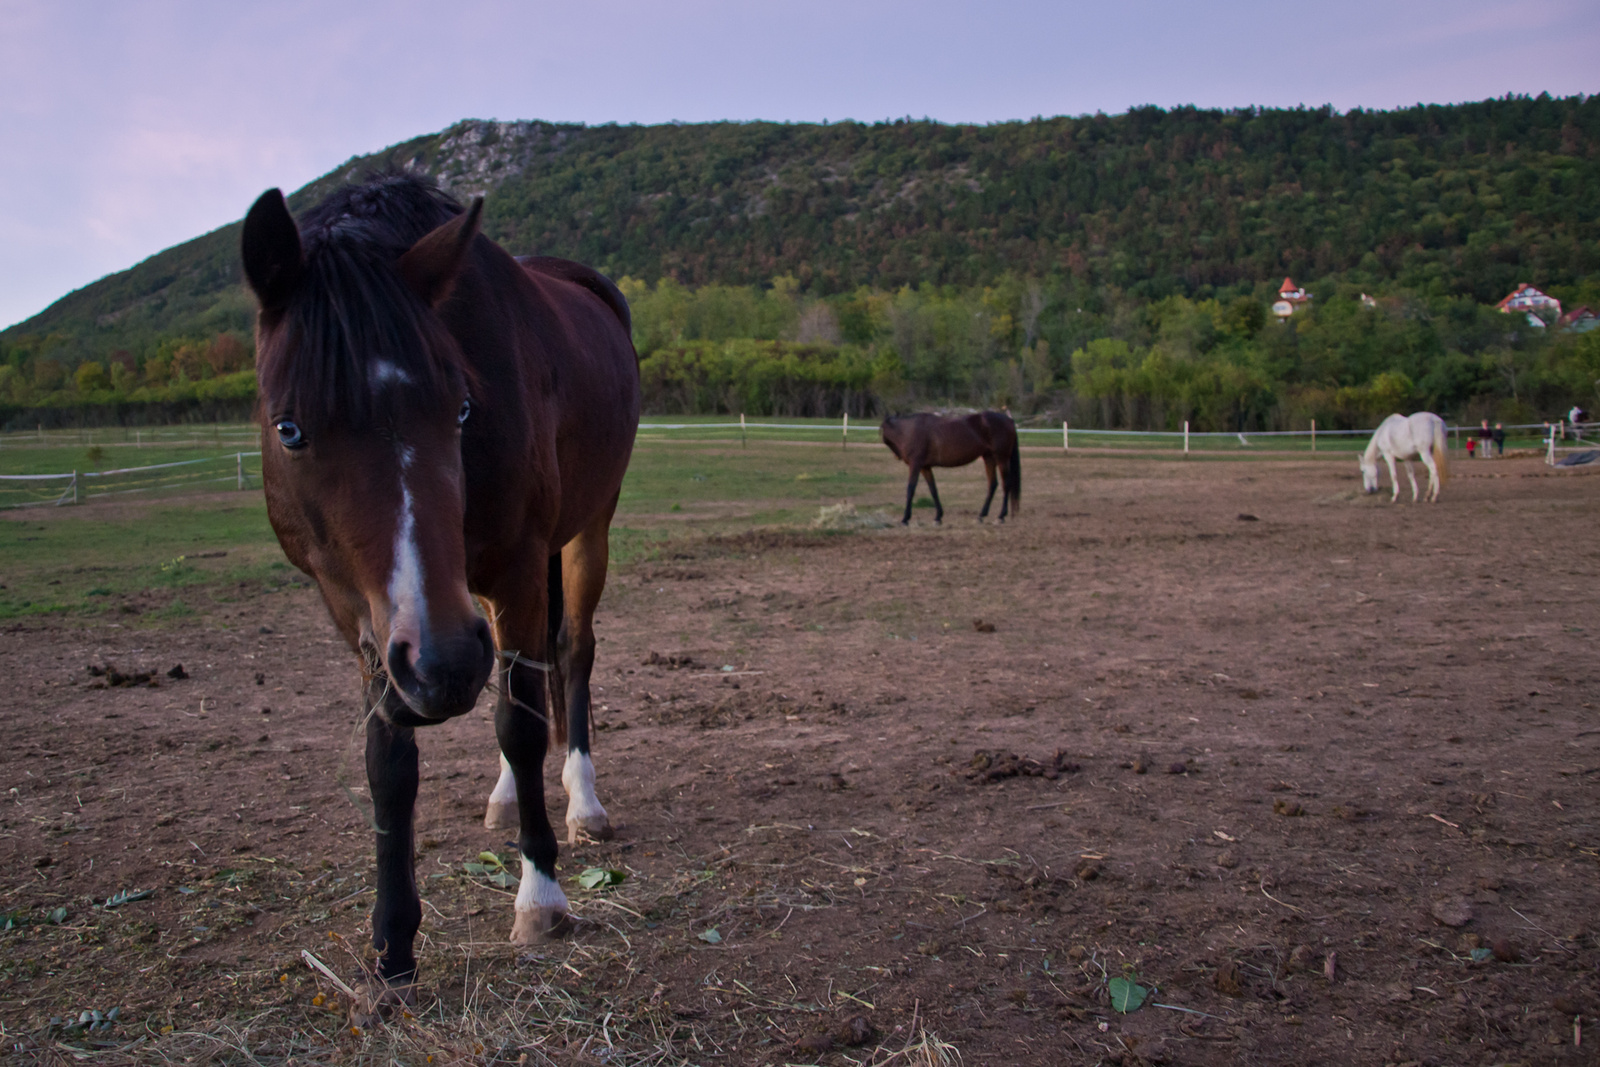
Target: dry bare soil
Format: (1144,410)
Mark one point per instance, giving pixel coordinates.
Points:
(1316,773)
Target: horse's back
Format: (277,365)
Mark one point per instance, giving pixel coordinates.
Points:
(998,431)
(1425,427)
(585,277)
(569,370)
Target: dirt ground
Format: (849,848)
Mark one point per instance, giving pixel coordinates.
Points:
(1317,773)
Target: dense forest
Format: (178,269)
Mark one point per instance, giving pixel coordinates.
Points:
(1117,270)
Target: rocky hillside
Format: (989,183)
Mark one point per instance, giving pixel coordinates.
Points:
(1467,199)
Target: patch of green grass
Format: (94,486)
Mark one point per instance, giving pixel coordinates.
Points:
(722,484)
(88,560)
(174,557)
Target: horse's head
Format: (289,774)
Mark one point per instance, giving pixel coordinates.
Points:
(1369,474)
(363,397)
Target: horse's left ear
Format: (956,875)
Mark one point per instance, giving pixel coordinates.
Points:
(431,265)
(269,246)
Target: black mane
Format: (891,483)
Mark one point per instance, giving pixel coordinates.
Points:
(352,306)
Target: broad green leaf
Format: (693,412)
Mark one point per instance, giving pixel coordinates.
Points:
(58,916)
(1479,955)
(125,896)
(1126,995)
(601,878)
(491,859)
(710,937)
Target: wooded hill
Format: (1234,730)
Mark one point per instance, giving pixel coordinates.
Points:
(1086,220)
(1470,198)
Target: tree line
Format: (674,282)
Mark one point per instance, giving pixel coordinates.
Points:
(1096,356)
(1113,269)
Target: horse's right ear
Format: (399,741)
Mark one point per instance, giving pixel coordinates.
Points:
(270,247)
(431,265)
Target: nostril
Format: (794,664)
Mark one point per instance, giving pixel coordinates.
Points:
(486,642)
(401,663)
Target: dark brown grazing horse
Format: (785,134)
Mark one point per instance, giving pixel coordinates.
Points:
(923,442)
(442,422)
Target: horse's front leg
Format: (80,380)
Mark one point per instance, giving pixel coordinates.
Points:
(938,508)
(983,513)
(1394,480)
(911,494)
(392,776)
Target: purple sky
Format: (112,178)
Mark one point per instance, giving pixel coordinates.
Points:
(128,127)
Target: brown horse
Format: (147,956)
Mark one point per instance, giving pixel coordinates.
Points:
(923,442)
(445,423)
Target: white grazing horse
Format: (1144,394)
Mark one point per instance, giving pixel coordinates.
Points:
(1407,437)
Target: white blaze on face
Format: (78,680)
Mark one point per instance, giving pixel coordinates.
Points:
(577,775)
(386,373)
(538,892)
(405,576)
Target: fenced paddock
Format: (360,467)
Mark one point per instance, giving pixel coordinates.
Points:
(60,467)
(1313,761)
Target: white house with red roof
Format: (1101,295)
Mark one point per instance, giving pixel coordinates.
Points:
(1526,298)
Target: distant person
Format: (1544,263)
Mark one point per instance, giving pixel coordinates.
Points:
(1483,438)
(1499,439)
(1472,447)
(1575,417)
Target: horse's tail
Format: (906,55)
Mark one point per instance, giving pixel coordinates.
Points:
(1014,475)
(555,611)
(1440,453)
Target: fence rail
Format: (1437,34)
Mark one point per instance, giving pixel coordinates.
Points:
(242,469)
(74,487)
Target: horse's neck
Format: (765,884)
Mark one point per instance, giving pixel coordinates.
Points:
(1372,449)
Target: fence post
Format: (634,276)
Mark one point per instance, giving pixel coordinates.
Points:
(1550,450)
(1313,435)
(743,443)
(844,438)
(1066,439)
(239,457)
(1186,437)
(75,487)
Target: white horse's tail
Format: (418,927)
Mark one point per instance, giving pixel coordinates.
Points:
(1440,452)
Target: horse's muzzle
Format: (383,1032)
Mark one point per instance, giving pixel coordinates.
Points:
(442,677)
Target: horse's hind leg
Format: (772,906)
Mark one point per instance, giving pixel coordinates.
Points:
(502,810)
(522,725)
(988,467)
(1433,478)
(938,508)
(583,579)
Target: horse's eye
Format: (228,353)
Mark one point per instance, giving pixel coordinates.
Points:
(466,409)
(289,434)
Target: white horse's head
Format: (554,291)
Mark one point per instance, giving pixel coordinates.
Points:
(1369,475)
